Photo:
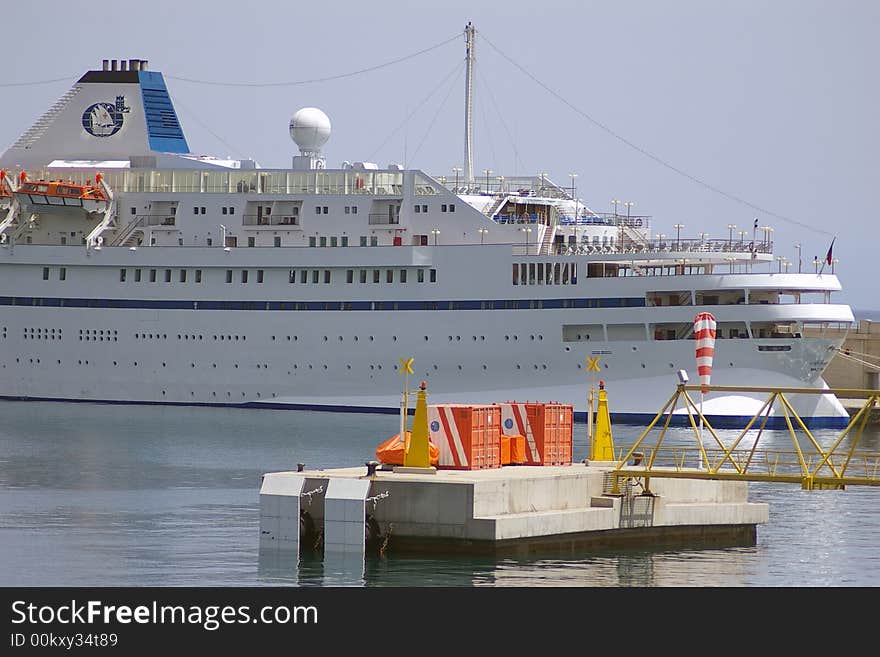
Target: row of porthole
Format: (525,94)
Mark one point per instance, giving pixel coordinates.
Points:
(228,394)
(230,338)
(518,366)
(189,336)
(263,365)
(96,331)
(41,336)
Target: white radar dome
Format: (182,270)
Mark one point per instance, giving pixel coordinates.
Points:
(310,129)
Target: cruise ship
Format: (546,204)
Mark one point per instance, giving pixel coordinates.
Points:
(135,271)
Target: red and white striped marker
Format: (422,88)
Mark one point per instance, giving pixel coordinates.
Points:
(704,332)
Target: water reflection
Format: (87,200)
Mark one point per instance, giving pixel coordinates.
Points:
(103,495)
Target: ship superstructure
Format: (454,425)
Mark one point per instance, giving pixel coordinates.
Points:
(201,280)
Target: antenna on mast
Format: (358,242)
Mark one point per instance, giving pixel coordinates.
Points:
(470,39)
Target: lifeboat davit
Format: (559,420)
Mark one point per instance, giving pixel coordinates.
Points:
(50,196)
(5,191)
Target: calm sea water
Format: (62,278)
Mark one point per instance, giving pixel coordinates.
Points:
(100,495)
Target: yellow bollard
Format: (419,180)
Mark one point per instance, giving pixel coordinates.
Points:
(602,448)
(417,454)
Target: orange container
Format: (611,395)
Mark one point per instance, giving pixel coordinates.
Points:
(468,436)
(547,428)
(505,450)
(517,449)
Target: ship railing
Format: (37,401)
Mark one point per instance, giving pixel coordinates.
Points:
(270,220)
(160,220)
(376,219)
(526,186)
(586,218)
(665,246)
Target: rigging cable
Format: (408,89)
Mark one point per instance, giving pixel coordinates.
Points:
(647,153)
(458,68)
(439,109)
(488,134)
(516,158)
(37,82)
(845,356)
(195,117)
(328,78)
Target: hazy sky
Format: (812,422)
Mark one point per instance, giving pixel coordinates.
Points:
(772,102)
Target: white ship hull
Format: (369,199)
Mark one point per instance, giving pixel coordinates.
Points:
(334,360)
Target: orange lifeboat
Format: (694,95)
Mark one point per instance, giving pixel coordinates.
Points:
(48,196)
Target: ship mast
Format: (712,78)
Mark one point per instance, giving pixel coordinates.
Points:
(470,40)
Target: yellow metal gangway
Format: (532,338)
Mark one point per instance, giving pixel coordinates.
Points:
(812,465)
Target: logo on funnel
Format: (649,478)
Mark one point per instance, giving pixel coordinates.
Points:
(104,119)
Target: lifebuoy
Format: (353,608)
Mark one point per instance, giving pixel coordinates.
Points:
(638,222)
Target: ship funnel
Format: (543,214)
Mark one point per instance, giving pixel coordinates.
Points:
(118,112)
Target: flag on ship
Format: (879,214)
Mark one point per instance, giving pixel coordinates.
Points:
(830,250)
(704,333)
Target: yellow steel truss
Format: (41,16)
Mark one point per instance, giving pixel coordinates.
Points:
(813,466)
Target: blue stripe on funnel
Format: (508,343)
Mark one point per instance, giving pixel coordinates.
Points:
(163,128)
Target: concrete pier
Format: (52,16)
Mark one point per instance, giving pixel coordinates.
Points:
(518,510)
